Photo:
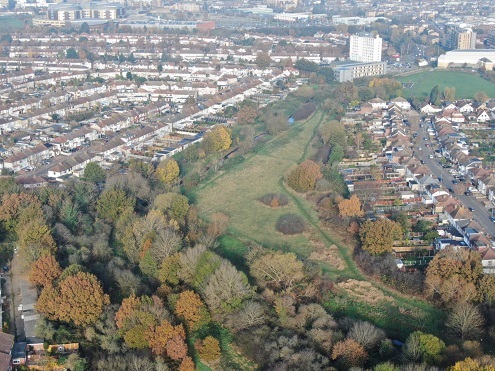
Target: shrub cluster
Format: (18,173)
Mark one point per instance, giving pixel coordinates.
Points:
(274,200)
(304,111)
(384,267)
(290,224)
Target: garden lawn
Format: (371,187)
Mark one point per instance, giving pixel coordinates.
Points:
(466,84)
(235,192)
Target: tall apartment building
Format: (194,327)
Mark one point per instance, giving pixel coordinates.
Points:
(365,48)
(460,38)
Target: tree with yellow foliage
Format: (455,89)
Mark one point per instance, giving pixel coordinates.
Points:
(216,140)
(470,364)
(378,237)
(209,349)
(168,171)
(350,208)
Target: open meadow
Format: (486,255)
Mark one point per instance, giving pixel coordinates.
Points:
(466,84)
(235,192)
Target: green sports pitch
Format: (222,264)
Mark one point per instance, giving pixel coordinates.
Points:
(466,84)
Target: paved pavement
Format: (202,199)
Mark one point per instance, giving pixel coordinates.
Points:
(15,273)
(481,214)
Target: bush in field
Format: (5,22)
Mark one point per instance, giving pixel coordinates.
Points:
(274,200)
(304,111)
(290,224)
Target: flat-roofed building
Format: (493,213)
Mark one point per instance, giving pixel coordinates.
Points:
(350,70)
(90,10)
(476,58)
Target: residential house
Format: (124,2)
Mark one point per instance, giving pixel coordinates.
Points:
(6,344)
(488,259)
(482,116)
(31,181)
(30,156)
(465,107)
(402,103)
(469,164)
(430,109)
(378,104)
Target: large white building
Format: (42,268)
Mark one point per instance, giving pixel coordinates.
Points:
(365,48)
(468,57)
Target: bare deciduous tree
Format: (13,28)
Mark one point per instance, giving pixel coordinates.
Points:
(188,260)
(466,320)
(252,314)
(366,334)
(226,289)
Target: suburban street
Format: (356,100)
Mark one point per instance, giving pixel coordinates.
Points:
(481,214)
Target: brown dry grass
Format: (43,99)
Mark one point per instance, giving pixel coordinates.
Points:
(330,255)
(365,292)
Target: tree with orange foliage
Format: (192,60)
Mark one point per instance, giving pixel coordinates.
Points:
(176,348)
(209,349)
(78,299)
(304,177)
(44,271)
(48,301)
(453,276)
(137,318)
(350,208)
(187,364)
(247,115)
(351,352)
(190,307)
(127,309)
(166,339)
(12,206)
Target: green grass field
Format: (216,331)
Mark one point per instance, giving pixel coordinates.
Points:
(235,191)
(466,84)
(9,24)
